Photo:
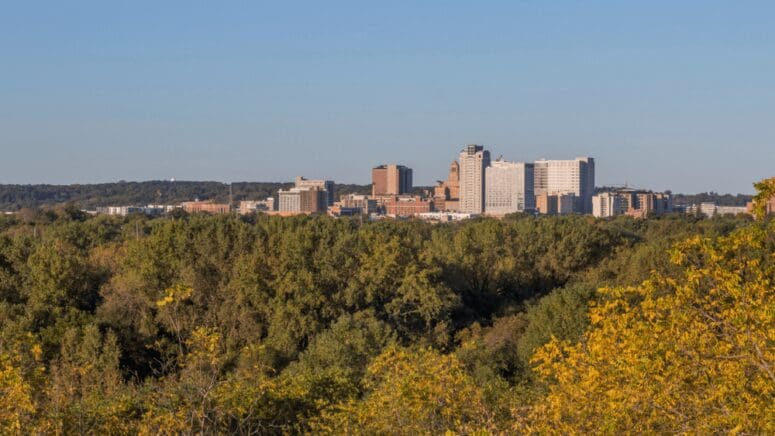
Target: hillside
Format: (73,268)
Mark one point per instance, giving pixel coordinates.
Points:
(89,196)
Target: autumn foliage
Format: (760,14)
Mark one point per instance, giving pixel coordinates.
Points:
(673,355)
(268,325)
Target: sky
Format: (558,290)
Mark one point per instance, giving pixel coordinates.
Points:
(675,95)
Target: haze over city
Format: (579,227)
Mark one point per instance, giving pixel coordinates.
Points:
(666,95)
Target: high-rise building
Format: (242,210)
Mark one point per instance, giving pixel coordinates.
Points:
(323,185)
(303,200)
(453,181)
(541,177)
(576,176)
(473,160)
(391,179)
(446,194)
(508,188)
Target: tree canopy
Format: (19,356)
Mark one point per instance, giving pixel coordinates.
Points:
(269,325)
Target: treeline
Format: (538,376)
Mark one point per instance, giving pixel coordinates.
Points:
(16,197)
(90,196)
(268,325)
(712,197)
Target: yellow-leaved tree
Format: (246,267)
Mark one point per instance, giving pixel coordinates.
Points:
(16,405)
(693,353)
(765,192)
(412,392)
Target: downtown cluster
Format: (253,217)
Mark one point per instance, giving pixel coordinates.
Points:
(476,185)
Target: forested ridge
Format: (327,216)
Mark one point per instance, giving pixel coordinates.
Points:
(90,196)
(269,325)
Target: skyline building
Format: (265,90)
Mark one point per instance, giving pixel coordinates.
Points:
(323,185)
(572,176)
(509,188)
(633,202)
(473,161)
(391,179)
(309,199)
(607,204)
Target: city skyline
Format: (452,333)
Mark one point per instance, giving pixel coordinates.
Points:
(667,95)
(431,180)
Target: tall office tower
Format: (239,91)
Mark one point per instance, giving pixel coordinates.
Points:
(541,177)
(379,180)
(391,179)
(576,176)
(473,160)
(453,180)
(587,182)
(449,190)
(508,188)
(324,185)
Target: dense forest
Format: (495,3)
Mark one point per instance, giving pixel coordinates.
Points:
(268,325)
(88,197)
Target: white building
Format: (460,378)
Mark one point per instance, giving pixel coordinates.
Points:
(711,209)
(445,216)
(576,176)
(151,209)
(509,188)
(473,161)
(607,204)
(731,210)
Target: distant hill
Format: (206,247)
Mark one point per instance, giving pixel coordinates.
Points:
(712,197)
(15,197)
(703,197)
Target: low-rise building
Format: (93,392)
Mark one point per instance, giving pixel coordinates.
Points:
(119,210)
(251,206)
(353,204)
(208,206)
(731,210)
(631,202)
(710,209)
(567,204)
(555,204)
(769,206)
(408,205)
(151,210)
(546,204)
(445,216)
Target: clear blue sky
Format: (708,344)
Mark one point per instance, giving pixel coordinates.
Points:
(664,94)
